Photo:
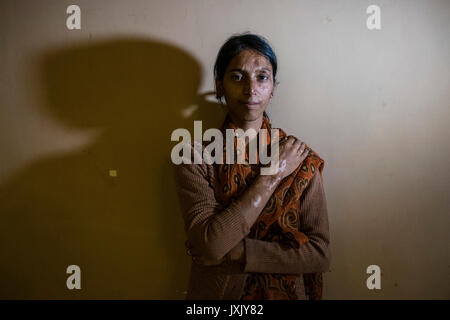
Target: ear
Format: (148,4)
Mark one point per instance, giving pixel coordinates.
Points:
(273,89)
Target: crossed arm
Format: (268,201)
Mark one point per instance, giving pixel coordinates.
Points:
(217,234)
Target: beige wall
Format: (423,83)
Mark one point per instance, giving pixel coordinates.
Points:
(76,104)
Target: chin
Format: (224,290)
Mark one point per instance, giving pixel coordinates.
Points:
(251,115)
(245,114)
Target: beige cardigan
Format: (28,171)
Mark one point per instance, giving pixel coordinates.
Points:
(214,231)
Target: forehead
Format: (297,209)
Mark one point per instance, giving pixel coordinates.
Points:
(250,60)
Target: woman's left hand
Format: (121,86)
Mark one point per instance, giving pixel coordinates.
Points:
(199,259)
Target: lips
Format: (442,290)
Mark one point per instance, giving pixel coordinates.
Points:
(251,105)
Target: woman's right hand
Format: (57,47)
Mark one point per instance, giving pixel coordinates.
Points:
(292,152)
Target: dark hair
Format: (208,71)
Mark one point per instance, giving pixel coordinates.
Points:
(235,44)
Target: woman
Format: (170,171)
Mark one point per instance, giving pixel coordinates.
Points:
(254,236)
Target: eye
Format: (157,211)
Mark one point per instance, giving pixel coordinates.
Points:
(263,77)
(236,77)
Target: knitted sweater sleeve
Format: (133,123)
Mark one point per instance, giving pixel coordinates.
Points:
(313,256)
(213,231)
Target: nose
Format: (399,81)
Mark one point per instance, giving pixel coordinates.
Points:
(250,87)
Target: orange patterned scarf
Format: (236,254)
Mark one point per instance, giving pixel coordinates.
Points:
(279,220)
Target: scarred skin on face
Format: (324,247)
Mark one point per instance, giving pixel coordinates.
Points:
(247,87)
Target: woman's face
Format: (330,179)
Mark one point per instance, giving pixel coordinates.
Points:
(247,85)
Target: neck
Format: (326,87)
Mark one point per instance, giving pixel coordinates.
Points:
(245,125)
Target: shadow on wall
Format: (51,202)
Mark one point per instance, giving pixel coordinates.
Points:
(125,232)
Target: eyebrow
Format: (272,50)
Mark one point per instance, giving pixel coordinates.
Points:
(240,70)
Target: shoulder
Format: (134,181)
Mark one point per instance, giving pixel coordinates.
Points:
(313,162)
(311,168)
(190,171)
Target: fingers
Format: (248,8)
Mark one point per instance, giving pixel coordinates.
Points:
(297,144)
(305,152)
(289,140)
(189,251)
(302,149)
(196,258)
